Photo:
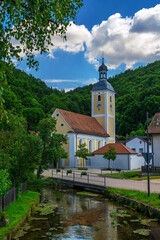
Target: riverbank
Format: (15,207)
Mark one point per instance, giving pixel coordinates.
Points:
(137,200)
(17,212)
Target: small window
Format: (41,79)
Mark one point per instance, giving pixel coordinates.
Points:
(141,150)
(133,149)
(62,124)
(99,144)
(57,114)
(110,105)
(99,98)
(90,146)
(110,98)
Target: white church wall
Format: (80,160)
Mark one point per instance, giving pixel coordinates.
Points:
(156,149)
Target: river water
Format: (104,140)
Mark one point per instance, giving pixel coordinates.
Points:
(69,215)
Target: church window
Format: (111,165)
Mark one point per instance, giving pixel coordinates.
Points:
(110,105)
(99,144)
(105,143)
(80,142)
(62,124)
(90,146)
(99,98)
(110,98)
(57,114)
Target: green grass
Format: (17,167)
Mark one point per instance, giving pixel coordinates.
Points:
(17,210)
(153,200)
(126,175)
(134,175)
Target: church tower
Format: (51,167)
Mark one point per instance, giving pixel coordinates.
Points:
(103,102)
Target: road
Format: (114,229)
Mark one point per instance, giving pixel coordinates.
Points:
(93,178)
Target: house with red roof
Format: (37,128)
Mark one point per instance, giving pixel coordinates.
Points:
(126,158)
(96,130)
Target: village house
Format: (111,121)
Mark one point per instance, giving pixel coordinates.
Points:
(154,130)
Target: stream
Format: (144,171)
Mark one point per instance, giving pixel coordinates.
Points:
(73,215)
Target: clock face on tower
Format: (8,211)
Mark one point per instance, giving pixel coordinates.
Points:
(99,105)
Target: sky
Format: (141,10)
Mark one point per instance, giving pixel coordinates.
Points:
(126,32)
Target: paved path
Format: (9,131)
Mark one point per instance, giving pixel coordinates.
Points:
(92,178)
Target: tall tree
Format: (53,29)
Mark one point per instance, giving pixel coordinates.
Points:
(110,155)
(83,152)
(52,143)
(27,26)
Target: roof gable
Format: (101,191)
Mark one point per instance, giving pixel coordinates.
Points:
(83,124)
(119,148)
(154,126)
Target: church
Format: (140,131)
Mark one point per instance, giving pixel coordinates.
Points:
(96,130)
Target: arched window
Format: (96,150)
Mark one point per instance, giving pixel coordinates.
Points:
(99,98)
(99,144)
(105,143)
(80,141)
(90,146)
(110,98)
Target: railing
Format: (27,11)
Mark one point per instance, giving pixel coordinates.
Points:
(152,169)
(88,178)
(10,197)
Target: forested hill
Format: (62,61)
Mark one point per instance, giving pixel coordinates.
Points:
(137,91)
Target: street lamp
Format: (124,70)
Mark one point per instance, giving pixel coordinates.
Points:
(148,159)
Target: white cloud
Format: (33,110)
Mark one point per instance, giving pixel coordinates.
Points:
(123,40)
(59,80)
(68,89)
(126,40)
(77,35)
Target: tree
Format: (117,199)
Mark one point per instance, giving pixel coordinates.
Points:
(52,143)
(83,152)
(20,152)
(27,26)
(110,155)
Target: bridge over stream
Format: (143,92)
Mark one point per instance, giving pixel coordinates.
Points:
(95,181)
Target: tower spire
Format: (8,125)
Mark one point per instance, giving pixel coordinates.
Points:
(103,71)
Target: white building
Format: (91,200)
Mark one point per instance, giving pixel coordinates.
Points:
(154,130)
(126,159)
(138,144)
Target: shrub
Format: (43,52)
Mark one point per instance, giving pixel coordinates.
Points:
(82,168)
(69,171)
(62,167)
(83,173)
(5,182)
(58,170)
(118,170)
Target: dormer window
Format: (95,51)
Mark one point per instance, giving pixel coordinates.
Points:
(99,98)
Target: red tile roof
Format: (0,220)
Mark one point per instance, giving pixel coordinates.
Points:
(83,124)
(154,126)
(119,148)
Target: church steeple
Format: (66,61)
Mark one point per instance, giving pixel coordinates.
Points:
(103,71)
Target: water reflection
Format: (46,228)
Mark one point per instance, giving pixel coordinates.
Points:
(80,217)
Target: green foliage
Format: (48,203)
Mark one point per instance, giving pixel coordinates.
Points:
(110,155)
(82,168)
(52,142)
(20,152)
(68,171)
(83,152)
(153,200)
(83,173)
(32,24)
(5,182)
(18,210)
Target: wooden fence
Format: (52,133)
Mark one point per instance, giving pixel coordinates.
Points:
(10,197)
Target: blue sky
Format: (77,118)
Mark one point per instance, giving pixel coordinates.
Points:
(127,31)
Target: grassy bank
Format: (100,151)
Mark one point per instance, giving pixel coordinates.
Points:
(17,210)
(134,175)
(153,200)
